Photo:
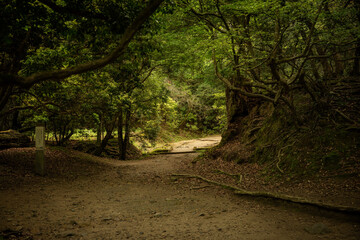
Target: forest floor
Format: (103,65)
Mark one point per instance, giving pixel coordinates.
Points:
(86,197)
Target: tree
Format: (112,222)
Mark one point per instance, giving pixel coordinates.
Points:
(186,63)
(29,32)
(267,50)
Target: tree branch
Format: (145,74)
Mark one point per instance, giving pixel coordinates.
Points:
(308,44)
(202,17)
(241,91)
(222,16)
(59,75)
(76,12)
(149,74)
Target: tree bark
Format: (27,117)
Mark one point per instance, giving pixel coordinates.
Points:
(127,132)
(99,133)
(235,105)
(124,132)
(109,130)
(122,156)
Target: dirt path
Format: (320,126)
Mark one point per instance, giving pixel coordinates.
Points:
(140,200)
(190,145)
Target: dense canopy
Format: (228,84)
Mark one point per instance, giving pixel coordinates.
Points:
(141,66)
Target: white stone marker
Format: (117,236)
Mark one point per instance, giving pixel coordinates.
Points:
(40,149)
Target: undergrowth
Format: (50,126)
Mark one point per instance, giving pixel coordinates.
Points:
(326,139)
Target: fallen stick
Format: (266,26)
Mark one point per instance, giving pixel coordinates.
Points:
(286,198)
(200,187)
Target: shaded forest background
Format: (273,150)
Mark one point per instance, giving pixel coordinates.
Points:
(278,79)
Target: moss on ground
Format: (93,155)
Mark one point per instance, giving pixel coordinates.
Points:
(322,140)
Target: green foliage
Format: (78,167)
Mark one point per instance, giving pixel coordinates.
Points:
(151,130)
(187,66)
(197,66)
(76,32)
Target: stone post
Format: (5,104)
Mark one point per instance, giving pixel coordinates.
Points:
(40,149)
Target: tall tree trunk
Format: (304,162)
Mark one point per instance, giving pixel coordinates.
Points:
(102,127)
(55,134)
(124,131)
(99,132)
(15,121)
(235,103)
(127,132)
(122,153)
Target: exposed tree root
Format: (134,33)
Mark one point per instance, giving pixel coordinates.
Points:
(237,177)
(279,156)
(346,117)
(286,198)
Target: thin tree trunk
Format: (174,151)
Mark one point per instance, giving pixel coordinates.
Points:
(55,135)
(124,132)
(104,142)
(127,132)
(98,136)
(102,127)
(15,121)
(122,155)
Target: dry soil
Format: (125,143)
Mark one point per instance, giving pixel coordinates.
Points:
(84,197)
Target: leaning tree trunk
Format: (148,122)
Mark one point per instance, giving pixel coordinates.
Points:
(109,130)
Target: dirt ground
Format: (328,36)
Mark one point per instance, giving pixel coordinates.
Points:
(85,197)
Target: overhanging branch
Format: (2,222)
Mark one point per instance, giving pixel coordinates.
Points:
(239,90)
(76,12)
(59,75)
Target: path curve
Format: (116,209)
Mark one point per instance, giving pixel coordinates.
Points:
(190,145)
(140,200)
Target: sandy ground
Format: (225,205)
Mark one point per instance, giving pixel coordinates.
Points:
(110,199)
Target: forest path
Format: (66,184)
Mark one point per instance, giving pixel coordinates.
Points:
(190,145)
(140,200)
